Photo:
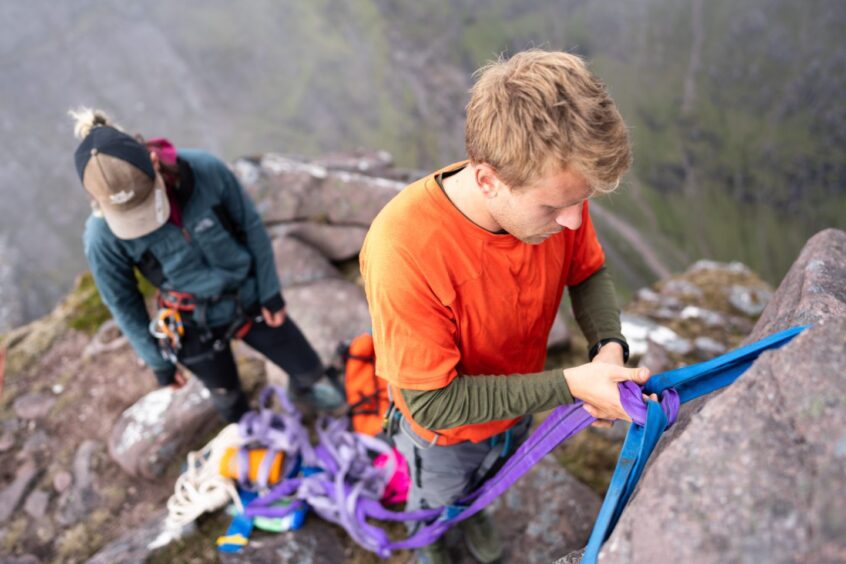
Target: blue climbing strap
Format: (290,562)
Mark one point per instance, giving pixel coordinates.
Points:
(689,382)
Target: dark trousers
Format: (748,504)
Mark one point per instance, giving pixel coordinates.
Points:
(285,346)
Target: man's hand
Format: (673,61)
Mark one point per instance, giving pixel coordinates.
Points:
(179,380)
(273,319)
(595,383)
(610,353)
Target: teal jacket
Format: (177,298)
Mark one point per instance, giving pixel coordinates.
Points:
(205,258)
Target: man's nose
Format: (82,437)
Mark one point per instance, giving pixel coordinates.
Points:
(570,218)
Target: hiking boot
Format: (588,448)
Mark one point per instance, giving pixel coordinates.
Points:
(435,553)
(322,396)
(481,538)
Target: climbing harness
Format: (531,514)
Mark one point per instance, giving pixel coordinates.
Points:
(168,327)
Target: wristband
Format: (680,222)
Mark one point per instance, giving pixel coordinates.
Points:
(594,350)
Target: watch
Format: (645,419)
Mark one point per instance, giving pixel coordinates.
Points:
(594,350)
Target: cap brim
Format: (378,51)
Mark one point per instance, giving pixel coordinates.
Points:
(142,219)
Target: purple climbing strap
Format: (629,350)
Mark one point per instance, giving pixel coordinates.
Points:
(348,489)
(562,423)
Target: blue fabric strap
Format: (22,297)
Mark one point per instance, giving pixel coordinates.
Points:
(690,382)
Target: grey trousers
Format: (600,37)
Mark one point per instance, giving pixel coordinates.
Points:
(441,475)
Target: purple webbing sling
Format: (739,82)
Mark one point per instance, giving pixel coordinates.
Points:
(348,490)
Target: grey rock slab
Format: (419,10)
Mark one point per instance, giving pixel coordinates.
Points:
(78,501)
(36,504)
(12,495)
(33,406)
(298,263)
(749,301)
(38,441)
(7,441)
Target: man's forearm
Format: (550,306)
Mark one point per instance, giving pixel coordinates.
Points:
(595,308)
(478,399)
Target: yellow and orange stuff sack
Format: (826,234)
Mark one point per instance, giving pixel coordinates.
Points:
(367,394)
(229,464)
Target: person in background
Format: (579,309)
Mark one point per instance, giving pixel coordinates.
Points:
(464,273)
(182,220)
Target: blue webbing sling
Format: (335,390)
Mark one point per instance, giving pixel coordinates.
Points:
(689,382)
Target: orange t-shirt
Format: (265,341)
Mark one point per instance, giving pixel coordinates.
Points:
(449,298)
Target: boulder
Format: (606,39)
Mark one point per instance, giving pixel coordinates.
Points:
(33,406)
(299,263)
(328,312)
(7,441)
(36,504)
(756,473)
(374,163)
(350,198)
(297,190)
(161,426)
(335,242)
(77,502)
(546,513)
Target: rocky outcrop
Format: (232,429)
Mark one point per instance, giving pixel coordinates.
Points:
(756,473)
(694,316)
(287,189)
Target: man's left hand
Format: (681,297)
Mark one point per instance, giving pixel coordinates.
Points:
(278,318)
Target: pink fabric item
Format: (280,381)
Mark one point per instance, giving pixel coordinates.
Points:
(164,149)
(166,152)
(397,489)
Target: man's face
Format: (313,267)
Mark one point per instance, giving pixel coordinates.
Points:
(533,213)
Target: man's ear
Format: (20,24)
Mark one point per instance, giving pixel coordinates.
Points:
(487,180)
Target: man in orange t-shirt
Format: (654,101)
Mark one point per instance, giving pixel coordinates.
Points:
(465,269)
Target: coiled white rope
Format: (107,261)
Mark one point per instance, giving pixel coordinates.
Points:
(200,488)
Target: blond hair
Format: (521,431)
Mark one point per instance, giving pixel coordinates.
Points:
(540,108)
(86,119)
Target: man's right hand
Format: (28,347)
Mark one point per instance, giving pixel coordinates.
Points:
(595,384)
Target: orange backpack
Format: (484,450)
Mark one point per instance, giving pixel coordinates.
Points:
(367,394)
